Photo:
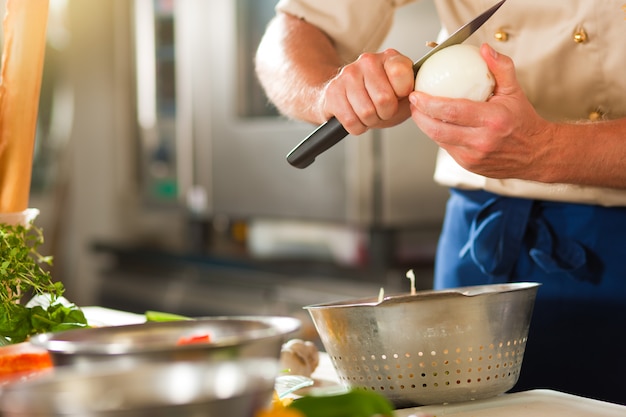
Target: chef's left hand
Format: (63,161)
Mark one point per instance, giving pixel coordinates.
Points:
(499,138)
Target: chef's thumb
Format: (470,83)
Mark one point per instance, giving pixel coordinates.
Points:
(502,68)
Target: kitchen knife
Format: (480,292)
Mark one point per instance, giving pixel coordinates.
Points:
(331,132)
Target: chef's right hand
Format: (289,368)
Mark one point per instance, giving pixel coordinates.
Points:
(371,92)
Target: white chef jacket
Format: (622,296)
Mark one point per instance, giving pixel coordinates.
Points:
(570,58)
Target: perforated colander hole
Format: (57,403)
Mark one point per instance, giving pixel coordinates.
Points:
(383,357)
(395,356)
(407,355)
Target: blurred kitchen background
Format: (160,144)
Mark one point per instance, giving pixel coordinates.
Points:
(161,177)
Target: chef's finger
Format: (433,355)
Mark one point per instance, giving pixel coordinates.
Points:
(503,70)
(461,112)
(399,70)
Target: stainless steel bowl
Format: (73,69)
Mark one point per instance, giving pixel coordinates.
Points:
(231,338)
(184,389)
(433,347)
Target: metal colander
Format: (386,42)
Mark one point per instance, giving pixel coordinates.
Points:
(432,347)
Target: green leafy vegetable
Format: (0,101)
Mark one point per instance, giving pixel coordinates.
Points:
(161,316)
(22,273)
(354,403)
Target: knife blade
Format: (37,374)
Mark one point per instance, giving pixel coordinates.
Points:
(331,132)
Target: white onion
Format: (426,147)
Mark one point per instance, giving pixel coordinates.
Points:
(457,71)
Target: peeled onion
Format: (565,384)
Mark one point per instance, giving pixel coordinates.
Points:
(457,71)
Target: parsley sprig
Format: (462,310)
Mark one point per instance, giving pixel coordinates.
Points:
(22,273)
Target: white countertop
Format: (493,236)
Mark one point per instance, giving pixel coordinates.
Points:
(536,403)
(100,316)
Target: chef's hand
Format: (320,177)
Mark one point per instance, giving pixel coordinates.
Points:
(499,138)
(371,92)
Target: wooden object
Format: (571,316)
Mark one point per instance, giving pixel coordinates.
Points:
(25,25)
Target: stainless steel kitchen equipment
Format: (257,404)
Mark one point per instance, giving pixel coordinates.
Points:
(230,338)
(432,347)
(184,389)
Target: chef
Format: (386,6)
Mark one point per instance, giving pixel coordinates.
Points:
(537,174)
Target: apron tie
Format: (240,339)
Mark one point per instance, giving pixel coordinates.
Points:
(502,227)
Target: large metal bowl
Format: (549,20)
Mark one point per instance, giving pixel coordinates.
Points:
(183,389)
(433,347)
(230,338)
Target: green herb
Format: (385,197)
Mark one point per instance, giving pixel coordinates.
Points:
(354,403)
(21,274)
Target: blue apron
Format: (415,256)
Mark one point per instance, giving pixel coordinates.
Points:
(577,338)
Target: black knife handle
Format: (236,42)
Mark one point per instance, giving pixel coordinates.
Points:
(322,138)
